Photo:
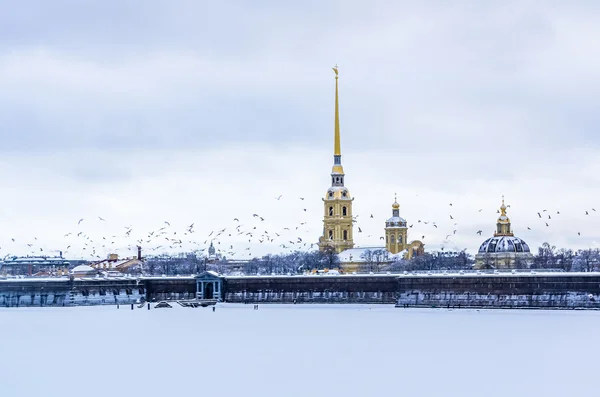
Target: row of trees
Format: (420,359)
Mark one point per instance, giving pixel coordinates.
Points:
(583,260)
(376,261)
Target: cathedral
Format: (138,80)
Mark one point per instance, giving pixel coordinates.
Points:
(338,221)
(503,250)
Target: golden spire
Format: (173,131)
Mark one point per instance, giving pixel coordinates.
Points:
(503,207)
(337,152)
(336,148)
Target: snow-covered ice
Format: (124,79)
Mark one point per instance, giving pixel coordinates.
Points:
(297,350)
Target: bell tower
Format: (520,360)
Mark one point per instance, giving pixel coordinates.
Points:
(337,221)
(396,231)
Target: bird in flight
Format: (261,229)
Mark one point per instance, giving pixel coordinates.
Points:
(81,220)
(279,198)
(102,219)
(479,232)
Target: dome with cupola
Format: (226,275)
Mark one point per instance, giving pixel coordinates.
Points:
(503,244)
(396,220)
(503,250)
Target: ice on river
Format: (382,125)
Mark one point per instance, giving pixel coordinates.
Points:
(297,350)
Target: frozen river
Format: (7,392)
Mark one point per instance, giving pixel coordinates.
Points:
(297,350)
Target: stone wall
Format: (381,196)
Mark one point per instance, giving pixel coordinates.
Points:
(311,289)
(170,288)
(469,290)
(65,292)
(500,291)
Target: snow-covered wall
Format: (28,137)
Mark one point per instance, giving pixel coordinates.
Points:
(312,289)
(453,299)
(65,292)
(501,291)
(562,290)
(270,296)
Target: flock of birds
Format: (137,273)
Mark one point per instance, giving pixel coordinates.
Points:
(239,240)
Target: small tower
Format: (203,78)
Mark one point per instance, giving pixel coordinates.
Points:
(396,231)
(211,250)
(503,223)
(337,220)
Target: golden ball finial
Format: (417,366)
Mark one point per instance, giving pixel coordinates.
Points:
(395,205)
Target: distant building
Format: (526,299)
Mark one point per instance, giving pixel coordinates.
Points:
(213,256)
(504,250)
(31,265)
(83,271)
(368,259)
(124,265)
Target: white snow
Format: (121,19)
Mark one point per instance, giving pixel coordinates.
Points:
(297,350)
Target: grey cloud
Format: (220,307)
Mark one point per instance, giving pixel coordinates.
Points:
(419,77)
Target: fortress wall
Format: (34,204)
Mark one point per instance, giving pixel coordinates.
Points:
(64,292)
(18,293)
(497,291)
(311,289)
(158,289)
(485,290)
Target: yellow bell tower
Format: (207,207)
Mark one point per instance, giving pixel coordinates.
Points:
(396,231)
(337,222)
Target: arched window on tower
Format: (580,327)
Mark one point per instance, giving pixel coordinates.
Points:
(331,234)
(392,239)
(330,211)
(345,235)
(400,239)
(344,211)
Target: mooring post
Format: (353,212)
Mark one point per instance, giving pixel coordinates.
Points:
(117,305)
(148,306)
(132,306)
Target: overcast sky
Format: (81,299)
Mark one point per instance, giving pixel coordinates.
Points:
(142,112)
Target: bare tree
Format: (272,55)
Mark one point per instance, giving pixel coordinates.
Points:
(588,260)
(367,257)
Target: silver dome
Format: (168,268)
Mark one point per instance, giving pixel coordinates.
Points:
(395,221)
(503,244)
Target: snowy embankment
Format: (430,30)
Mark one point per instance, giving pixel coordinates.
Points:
(297,350)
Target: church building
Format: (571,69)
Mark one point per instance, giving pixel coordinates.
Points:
(337,204)
(338,230)
(504,250)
